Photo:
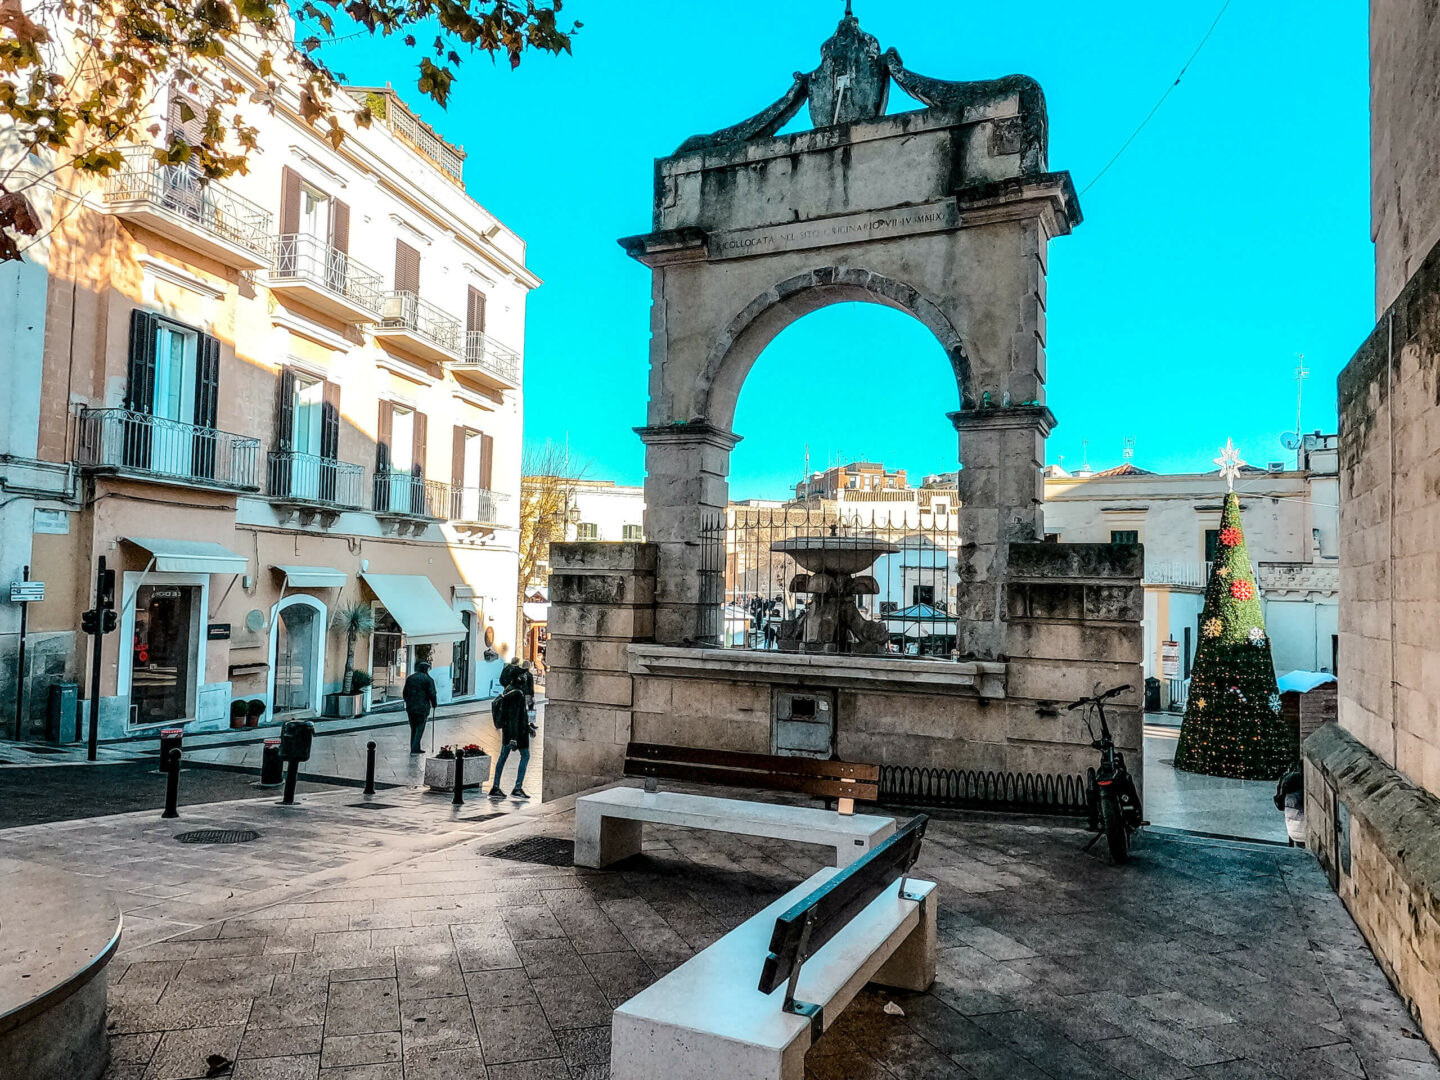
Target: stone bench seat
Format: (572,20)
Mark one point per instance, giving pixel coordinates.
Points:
(608,823)
(707,1018)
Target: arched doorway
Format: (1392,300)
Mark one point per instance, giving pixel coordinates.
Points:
(297,662)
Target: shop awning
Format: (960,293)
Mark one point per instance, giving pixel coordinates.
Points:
(312,577)
(190,556)
(537,613)
(414,603)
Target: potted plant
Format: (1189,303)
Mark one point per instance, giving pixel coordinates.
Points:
(440,769)
(237,712)
(360,683)
(355,620)
(254,709)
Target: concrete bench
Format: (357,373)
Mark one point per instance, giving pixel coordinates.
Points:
(607,823)
(813,950)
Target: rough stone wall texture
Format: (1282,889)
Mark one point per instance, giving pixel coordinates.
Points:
(1404,139)
(1390,534)
(1378,837)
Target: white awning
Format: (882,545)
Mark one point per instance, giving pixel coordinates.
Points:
(537,613)
(191,556)
(414,603)
(312,577)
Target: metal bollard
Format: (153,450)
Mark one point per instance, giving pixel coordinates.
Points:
(172,785)
(294,770)
(272,770)
(459,797)
(370,768)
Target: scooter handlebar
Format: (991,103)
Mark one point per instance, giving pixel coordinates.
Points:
(1106,696)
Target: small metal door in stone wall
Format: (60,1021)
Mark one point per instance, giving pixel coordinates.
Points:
(802,723)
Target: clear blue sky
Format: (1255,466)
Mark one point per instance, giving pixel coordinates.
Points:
(1233,234)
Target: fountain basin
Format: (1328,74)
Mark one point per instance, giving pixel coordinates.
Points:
(834,554)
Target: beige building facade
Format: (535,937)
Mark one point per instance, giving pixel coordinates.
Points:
(260,401)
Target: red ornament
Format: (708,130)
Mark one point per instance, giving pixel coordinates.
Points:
(1242,590)
(1231,536)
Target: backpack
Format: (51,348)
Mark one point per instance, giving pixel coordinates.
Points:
(495,711)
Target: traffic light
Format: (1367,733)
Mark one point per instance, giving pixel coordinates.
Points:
(107,591)
(110,621)
(90,622)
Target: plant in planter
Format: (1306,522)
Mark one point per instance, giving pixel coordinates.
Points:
(440,769)
(355,620)
(253,711)
(360,683)
(238,708)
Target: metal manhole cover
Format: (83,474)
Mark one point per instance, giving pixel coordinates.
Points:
(373,806)
(482,817)
(544,850)
(218,836)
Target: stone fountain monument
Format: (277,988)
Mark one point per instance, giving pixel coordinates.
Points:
(832,623)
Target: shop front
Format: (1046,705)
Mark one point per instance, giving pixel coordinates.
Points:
(410,618)
(297,643)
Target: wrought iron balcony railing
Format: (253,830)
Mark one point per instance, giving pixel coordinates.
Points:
(180,190)
(485,353)
(313,479)
(476,505)
(299,257)
(410,496)
(131,441)
(404,310)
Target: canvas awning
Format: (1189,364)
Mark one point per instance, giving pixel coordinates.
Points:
(537,613)
(190,556)
(312,577)
(413,602)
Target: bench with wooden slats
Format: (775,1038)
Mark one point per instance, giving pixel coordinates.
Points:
(845,781)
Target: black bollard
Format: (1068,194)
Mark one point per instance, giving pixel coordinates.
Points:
(289,799)
(172,785)
(459,797)
(370,768)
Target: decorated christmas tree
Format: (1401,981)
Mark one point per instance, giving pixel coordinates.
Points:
(1232,723)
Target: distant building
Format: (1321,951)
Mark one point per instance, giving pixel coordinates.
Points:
(857,476)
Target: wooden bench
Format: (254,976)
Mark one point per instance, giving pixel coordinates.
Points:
(608,823)
(813,949)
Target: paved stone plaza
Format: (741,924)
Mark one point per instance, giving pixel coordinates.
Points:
(382,944)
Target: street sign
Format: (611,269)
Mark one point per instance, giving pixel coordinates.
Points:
(217,631)
(27,592)
(1170,659)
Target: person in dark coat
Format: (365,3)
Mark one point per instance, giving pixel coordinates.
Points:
(419,694)
(513,719)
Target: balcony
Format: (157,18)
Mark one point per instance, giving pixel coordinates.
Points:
(1183,574)
(476,506)
(386,107)
(173,201)
(307,480)
(128,442)
(487,362)
(400,495)
(309,271)
(418,327)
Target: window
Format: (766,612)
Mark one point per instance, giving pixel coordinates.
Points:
(314,214)
(1124,536)
(587,530)
(1212,543)
(922,594)
(633,532)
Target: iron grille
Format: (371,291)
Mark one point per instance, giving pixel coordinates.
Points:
(1036,793)
(121,439)
(476,505)
(411,496)
(300,258)
(218,836)
(314,479)
(182,191)
(484,352)
(404,310)
(542,850)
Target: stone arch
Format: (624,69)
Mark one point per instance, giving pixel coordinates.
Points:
(739,345)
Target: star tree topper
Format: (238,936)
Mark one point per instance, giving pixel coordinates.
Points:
(1230,463)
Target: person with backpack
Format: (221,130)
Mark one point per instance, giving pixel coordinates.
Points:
(420,702)
(510,715)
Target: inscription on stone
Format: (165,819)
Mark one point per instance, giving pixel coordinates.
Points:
(845,229)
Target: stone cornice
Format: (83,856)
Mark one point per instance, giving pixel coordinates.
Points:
(693,431)
(1001,417)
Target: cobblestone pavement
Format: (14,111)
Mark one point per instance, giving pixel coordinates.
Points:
(387,945)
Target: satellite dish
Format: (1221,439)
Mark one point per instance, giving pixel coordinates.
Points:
(1290,440)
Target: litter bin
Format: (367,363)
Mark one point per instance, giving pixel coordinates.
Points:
(169,740)
(60,710)
(1152,694)
(272,772)
(295,739)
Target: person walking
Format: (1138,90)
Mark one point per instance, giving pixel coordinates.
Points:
(513,719)
(420,700)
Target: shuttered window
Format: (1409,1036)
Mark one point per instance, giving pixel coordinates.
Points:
(457,458)
(407,268)
(487,462)
(185,119)
(382,437)
(140,380)
(289,200)
(340,225)
(420,436)
(330,423)
(475,310)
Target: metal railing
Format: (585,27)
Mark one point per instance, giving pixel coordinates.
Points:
(410,496)
(484,352)
(301,257)
(400,121)
(121,439)
(1035,793)
(404,310)
(1192,574)
(477,505)
(181,190)
(311,478)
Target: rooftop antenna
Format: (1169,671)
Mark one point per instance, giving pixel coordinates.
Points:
(1301,374)
(1129,452)
(1085,455)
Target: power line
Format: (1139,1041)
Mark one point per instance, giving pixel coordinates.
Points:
(1163,96)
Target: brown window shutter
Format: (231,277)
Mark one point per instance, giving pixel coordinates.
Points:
(191,130)
(475,310)
(340,225)
(382,436)
(487,463)
(289,200)
(407,268)
(330,422)
(419,443)
(457,459)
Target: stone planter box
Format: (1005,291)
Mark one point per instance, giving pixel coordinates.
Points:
(440,772)
(347,705)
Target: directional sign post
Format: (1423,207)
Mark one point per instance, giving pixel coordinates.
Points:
(24,592)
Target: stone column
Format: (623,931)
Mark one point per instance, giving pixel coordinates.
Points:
(1002,492)
(601,600)
(686,490)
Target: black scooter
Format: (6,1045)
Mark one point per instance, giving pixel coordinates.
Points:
(1110,790)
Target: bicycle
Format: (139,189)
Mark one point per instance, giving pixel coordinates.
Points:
(1110,790)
